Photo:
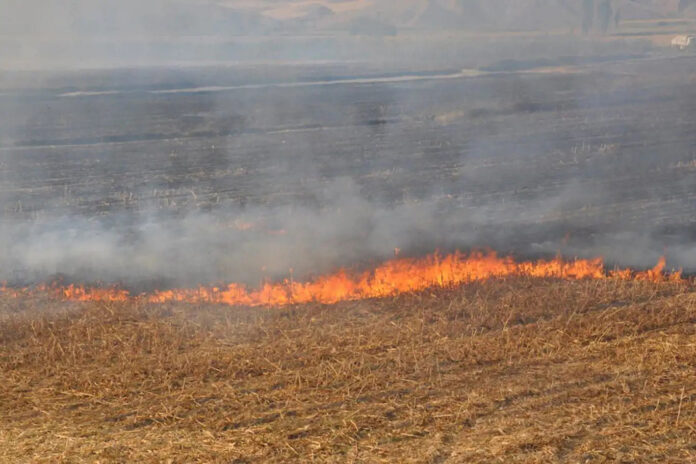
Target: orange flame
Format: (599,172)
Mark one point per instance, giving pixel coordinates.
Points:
(393,277)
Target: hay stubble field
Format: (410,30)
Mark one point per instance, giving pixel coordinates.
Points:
(509,370)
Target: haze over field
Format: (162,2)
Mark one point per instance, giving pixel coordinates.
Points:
(240,17)
(110,33)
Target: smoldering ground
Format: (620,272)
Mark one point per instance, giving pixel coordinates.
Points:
(166,176)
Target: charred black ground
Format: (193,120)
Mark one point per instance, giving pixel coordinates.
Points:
(584,157)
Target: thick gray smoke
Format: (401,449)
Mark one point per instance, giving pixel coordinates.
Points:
(224,245)
(183,142)
(265,242)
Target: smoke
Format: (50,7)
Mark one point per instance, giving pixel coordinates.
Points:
(240,245)
(198,247)
(364,131)
(252,244)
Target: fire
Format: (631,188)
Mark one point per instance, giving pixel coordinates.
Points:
(399,275)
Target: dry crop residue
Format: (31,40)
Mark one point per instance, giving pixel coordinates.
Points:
(505,370)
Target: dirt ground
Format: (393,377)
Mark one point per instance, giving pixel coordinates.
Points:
(518,370)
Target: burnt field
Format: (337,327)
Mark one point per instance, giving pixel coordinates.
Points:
(532,162)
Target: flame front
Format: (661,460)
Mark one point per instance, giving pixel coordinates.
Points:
(393,277)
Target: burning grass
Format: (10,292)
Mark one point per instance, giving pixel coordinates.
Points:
(519,369)
(390,278)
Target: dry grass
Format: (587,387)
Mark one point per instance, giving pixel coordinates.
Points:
(520,370)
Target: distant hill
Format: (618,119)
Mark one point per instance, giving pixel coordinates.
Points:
(538,14)
(132,18)
(493,14)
